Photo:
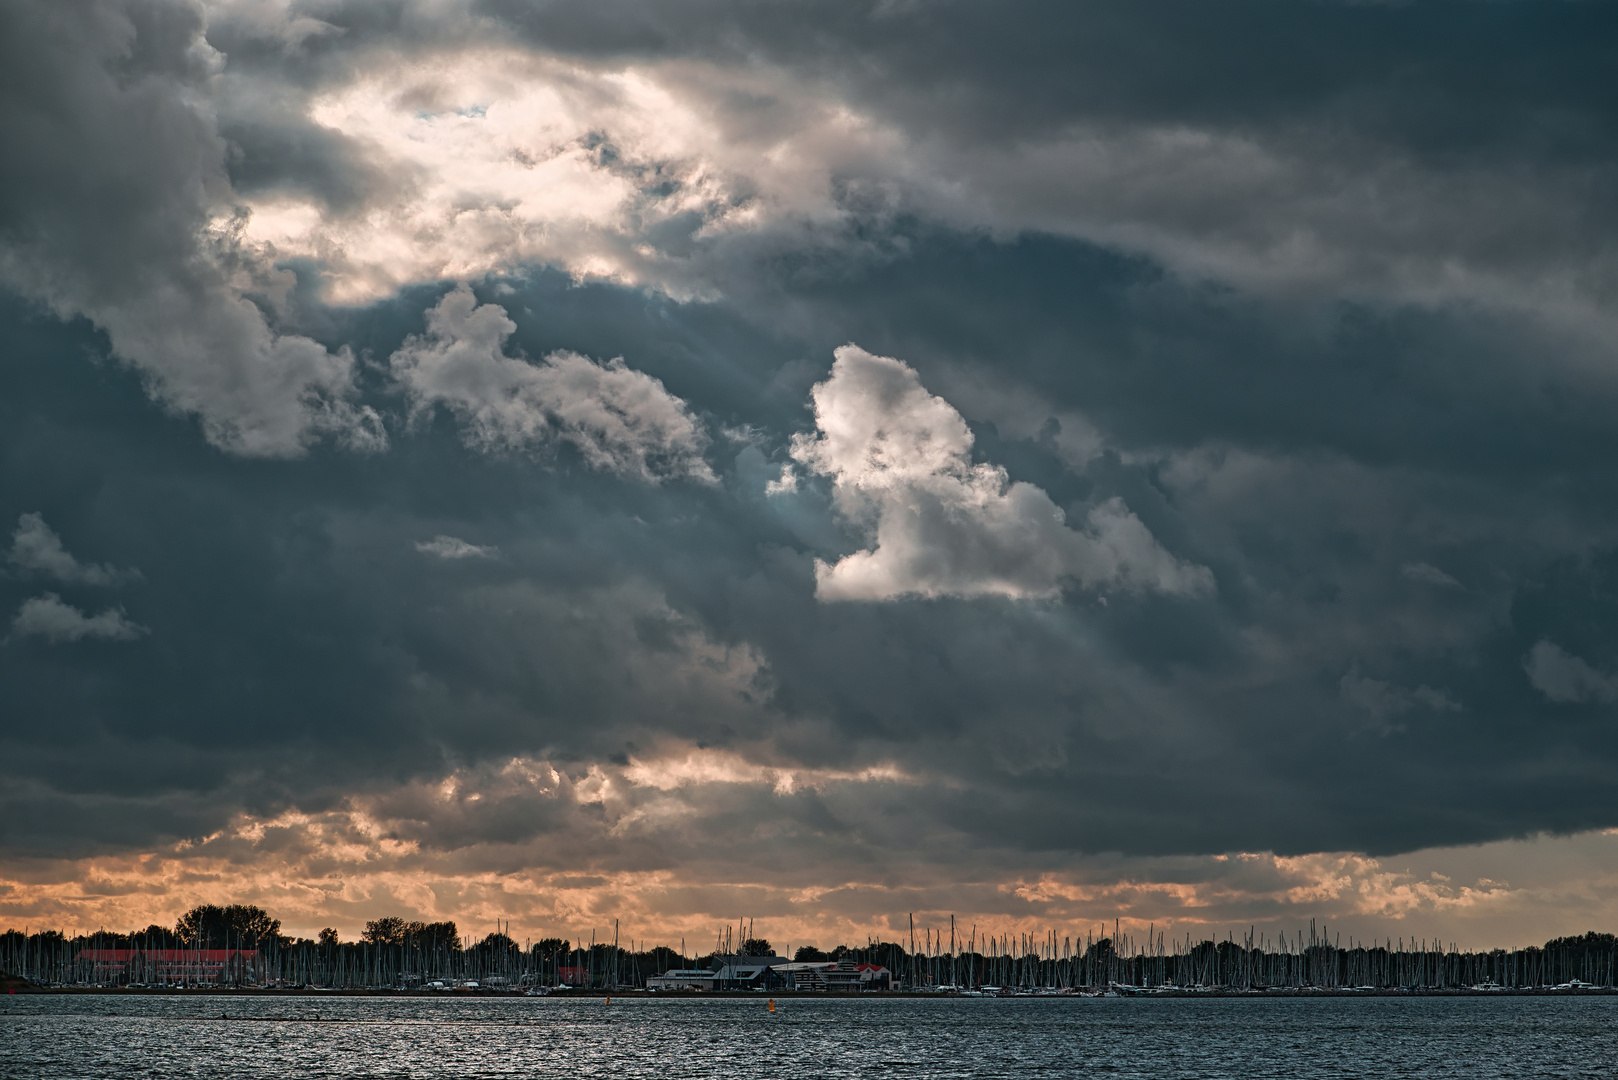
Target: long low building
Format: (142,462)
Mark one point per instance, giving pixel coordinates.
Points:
(728,973)
(841,975)
(747,972)
(683,979)
(168,965)
(775,973)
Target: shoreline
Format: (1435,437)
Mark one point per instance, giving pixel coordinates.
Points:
(637,994)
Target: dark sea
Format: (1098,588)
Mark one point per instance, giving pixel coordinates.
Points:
(311,1037)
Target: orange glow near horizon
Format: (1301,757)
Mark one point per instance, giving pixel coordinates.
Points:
(342,868)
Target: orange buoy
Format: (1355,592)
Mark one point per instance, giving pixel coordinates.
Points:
(772,1004)
(609,1001)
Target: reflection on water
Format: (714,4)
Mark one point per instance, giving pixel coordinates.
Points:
(312,1037)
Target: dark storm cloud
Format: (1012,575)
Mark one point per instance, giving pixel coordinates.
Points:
(301,648)
(1402,507)
(1476,132)
(114,205)
(1029,67)
(1447,82)
(1428,152)
(280,154)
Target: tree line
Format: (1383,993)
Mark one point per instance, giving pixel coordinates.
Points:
(400,953)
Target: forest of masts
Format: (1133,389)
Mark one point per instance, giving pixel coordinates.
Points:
(933,961)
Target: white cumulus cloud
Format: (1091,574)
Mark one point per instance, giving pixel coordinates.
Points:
(1562,677)
(35,546)
(619,419)
(49,617)
(900,463)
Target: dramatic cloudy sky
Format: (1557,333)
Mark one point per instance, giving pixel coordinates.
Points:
(812,461)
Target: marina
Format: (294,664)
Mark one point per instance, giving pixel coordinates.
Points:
(1307,961)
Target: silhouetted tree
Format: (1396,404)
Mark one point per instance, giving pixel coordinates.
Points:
(497,943)
(388,930)
(209,926)
(427,934)
(392,930)
(155,936)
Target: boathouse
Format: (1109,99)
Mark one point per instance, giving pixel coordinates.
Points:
(682,979)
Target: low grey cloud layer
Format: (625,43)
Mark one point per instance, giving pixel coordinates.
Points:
(453,547)
(50,618)
(473,384)
(35,546)
(1564,678)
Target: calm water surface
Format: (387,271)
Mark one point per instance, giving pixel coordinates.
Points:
(205,1036)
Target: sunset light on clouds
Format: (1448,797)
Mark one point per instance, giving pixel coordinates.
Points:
(820,463)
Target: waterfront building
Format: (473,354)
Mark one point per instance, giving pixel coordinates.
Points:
(842,975)
(683,979)
(746,972)
(168,966)
(775,973)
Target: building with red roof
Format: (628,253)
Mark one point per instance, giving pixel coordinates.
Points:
(168,966)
